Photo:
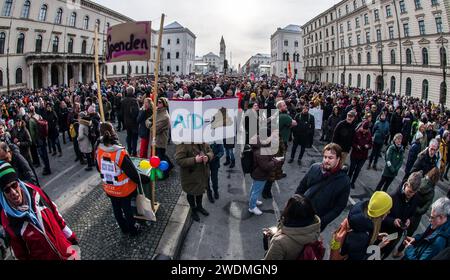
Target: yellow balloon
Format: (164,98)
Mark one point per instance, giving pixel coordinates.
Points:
(144,164)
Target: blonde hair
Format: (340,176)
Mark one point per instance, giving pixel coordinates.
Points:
(376,228)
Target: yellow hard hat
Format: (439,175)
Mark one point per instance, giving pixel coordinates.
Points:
(380,203)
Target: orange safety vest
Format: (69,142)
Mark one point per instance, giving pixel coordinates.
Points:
(115,182)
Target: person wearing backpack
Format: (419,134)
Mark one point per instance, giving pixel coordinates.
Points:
(299,225)
(39,138)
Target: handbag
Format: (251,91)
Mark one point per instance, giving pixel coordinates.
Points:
(337,240)
(144,205)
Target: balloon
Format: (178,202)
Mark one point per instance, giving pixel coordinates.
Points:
(159,173)
(153,175)
(144,164)
(164,165)
(154,161)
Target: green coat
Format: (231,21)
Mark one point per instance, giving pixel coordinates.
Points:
(194,176)
(285,122)
(394,160)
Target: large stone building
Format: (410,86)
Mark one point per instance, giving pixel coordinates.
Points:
(396,46)
(286,45)
(253,63)
(51,42)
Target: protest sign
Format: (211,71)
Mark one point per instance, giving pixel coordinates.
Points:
(129,42)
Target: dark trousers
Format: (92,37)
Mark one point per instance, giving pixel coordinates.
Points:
(355,168)
(195,201)
(119,122)
(34,154)
(268,188)
(42,149)
(76,148)
(54,143)
(132,140)
(90,159)
(384,183)
(161,153)
(214,184)
(294,150)
(123,213)
(376,152)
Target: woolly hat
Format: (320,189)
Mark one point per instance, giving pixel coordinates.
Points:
(380,203)
(7,174)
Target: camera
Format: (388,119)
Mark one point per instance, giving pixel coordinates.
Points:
(267,236)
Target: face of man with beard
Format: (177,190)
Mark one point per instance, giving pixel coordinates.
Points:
(330,161)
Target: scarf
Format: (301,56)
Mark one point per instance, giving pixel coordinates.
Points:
(24,211)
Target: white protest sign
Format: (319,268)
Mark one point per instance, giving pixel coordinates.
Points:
(318,115)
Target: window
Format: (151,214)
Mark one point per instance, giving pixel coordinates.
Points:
(366,19)
(442,94)
(19,76)
(350,59)
(73,19)
(326,33)
(369,58)
(408,87)
(286,43)
(368,81)
(26,9)
(20,43)
(357,22)
(178,41)
(341,28)
(349,41)
(391,32)
(43,13)
(168,69)
(443,56)
(142,69)
(58,18)
(83,47)
(177,55)
(439,25)
(425,90)
(380,57)
(137,70)
(332,61)
(342,79)
(339,12)
(70,46)
(378,35)
(168,41)
(425,56)
(392,84)
(123,70)
(349,26)
(7,8)
(388,11)
(177,68)
(55,44)
(342,43)
(296,42)
(349,80)
(38,47)
(168,55)
(1,78)
(434,2)
(359,58)
(392,56)
(408,57)
(2,42)
(358,81)
(332,45)
(406,29)
(346,9)
(115,70)
(86,23)
(97,24)
(402,6)
(418,4)
(355,5)
(422,27)
(332,30)
(367,37)
(376,14)
(358,39)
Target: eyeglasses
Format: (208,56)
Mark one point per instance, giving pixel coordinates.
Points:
(432,218)
(8,188)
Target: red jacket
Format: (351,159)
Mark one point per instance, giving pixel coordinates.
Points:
(359,141)
(30,243)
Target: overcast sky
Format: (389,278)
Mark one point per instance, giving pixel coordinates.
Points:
(246,25)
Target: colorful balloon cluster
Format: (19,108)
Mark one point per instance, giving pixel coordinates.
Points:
(157,167)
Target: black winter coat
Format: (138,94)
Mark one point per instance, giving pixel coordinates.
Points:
(130,111)
(304,131)
(329,200)
(343,135)
(396,124)
(52,120)
(401,209)
(424,162)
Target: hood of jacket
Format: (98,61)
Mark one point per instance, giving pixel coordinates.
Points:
(303,235)
(358,220)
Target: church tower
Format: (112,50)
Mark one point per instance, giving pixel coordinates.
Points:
(222,53)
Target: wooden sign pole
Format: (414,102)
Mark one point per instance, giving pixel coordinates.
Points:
(97,70)
(155,205)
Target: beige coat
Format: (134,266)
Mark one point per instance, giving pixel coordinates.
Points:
(194,176)
(287,243)
(162,128)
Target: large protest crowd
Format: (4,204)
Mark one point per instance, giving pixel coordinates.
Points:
(356,126)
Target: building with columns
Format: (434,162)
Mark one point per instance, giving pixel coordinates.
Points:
(286,45)
(254,62)
(398,46)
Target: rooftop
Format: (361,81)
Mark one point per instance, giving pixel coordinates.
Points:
(173,25)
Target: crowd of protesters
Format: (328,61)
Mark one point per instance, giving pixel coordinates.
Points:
(357,125)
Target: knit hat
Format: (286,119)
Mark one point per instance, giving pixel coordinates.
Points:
(380,203)
(7,174)
(414,180)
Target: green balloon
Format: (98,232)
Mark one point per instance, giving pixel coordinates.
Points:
(159,174)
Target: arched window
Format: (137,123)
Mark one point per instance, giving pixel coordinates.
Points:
(349,80)
(343,79)
(443,56)
(443,93)
(6,12)
(20,43)
(2,42)
(123,70)
(1,78)
(425,56)
(350,59)
(368,81)
(392,56)
(97,24)
(129,70)
(358,81)
(392,84)
(73,19)
(114,70)
(55,44)
(26,9)
(380,58)
(19,76)
(142,69)
(86,23)
(137,70)
(58,18)
(43,13)
(70,46)
(359,58)
(83,47)
(369,58)
(168,55)
(38,47)
(408,87)
(408,57)
(425,90)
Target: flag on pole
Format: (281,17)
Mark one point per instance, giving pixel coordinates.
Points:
(289,69)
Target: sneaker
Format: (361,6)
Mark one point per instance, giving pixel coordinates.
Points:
(291,160)
(255,211)
(195,216)
(259,202)
(203,211)
(88,168)
(210,197)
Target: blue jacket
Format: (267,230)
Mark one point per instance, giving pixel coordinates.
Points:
(143,131)
(412,156)
(425,248)
(380,131)
(218,153)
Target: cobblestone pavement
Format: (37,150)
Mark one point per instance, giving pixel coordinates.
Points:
(100,237)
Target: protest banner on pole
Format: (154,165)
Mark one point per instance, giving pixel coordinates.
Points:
(129,42)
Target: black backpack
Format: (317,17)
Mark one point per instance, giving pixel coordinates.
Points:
(247,159)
